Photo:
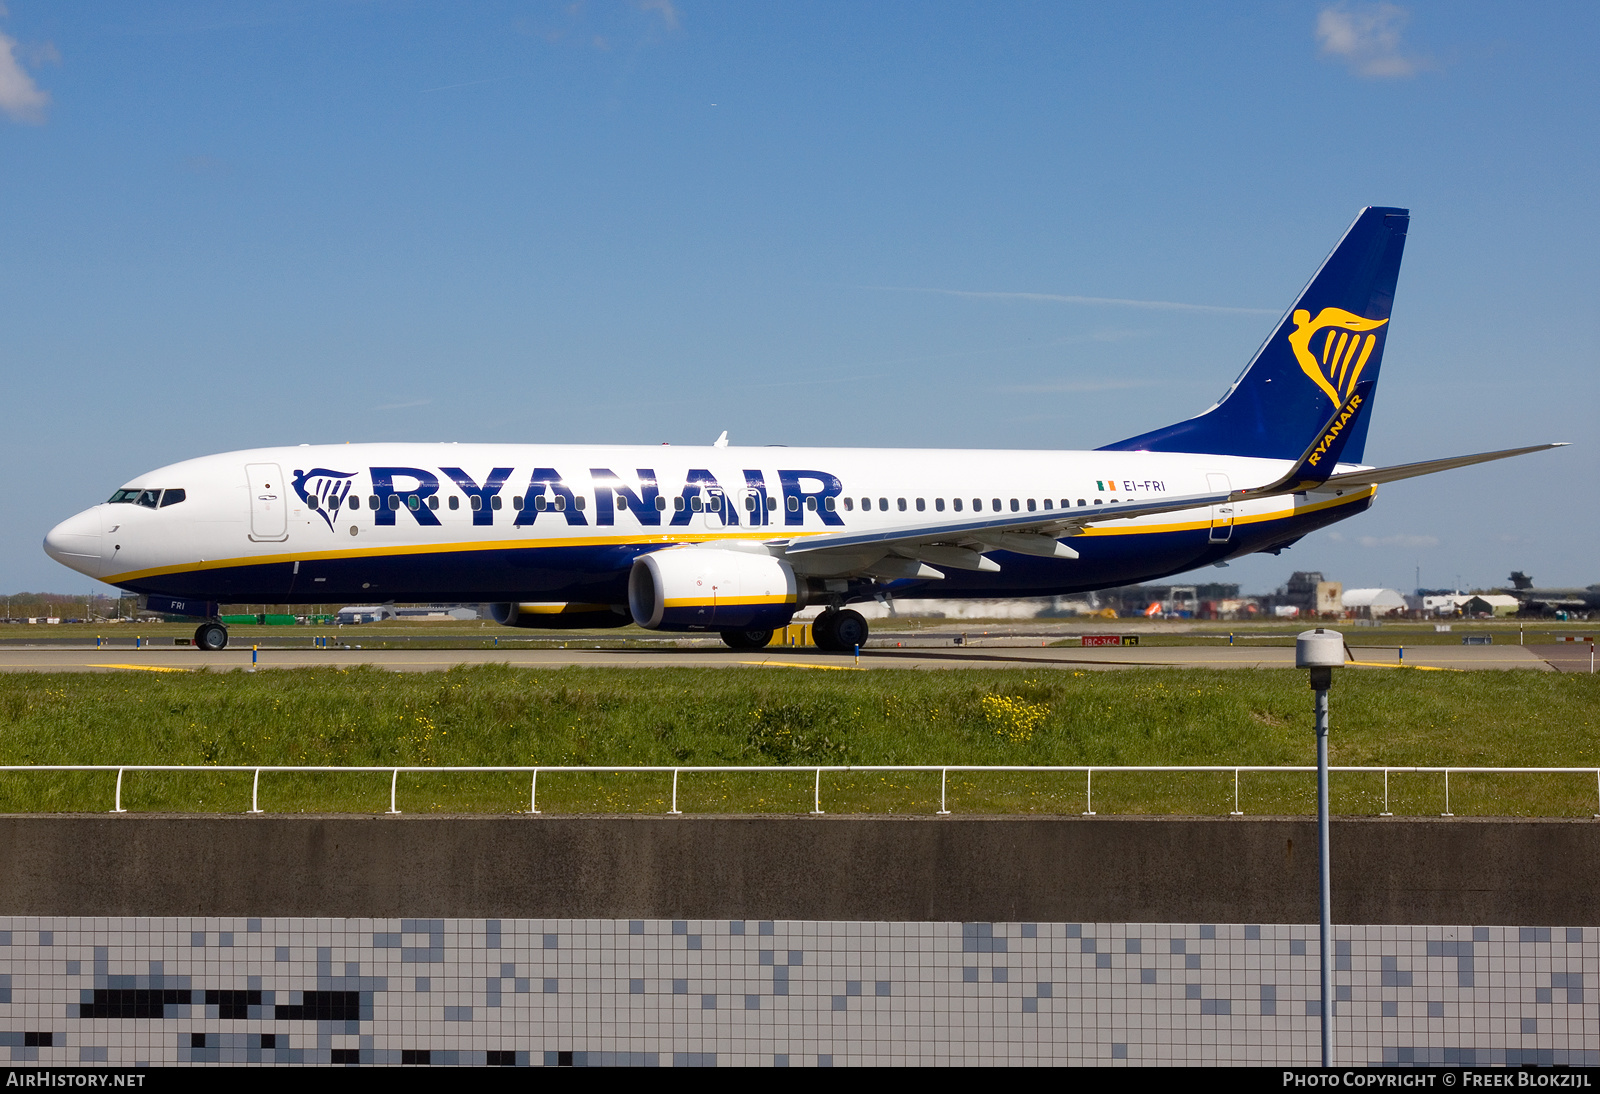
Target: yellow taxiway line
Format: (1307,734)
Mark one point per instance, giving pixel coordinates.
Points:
(139,668)
(803,665)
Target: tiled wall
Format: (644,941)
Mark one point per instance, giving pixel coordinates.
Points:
(320,991)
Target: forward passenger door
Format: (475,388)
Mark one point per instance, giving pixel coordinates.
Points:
(269,503)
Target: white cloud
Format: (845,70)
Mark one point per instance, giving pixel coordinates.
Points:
(20,97)
(1399,541)
(669,14)
(1367,38)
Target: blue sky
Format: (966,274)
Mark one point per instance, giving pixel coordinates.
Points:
(238,224)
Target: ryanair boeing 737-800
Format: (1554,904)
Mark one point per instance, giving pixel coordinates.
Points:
(736,540)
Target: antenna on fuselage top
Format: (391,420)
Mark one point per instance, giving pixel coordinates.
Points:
(722,441)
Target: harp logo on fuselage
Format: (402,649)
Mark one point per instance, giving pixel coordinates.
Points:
(323,491)
(1334,360)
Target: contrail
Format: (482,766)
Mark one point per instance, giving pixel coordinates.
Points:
(1088,301)
(469,83)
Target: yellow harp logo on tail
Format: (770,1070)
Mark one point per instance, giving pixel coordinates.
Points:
(1335,360)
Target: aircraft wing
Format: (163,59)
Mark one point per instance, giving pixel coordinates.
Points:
(961,543)
(1428,467)
(912,551)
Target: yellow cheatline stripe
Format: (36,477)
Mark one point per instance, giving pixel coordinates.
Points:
(1130,529)
(139,668)
(802,665)
(397,550)
(358,553)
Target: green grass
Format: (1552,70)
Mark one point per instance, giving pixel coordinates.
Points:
(497,715)
(487,635)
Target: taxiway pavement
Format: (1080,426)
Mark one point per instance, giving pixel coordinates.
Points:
(180,659)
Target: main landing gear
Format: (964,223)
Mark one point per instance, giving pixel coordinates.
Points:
(746,640)
(834,630)
(211,636)
(839,631)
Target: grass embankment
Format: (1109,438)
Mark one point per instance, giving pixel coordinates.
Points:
(493,715)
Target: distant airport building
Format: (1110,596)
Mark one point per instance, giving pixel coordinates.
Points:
(1310,594)
(1491,604)
(1204,601)
(437,613)
(1372,603)
(425,613)
(375,613)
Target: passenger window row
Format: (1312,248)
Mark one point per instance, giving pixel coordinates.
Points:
(958,504)
(540,503)
(695,503)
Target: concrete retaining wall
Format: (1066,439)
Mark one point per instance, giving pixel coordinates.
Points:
(1106,869)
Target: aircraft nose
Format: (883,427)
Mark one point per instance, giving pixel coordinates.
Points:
(77,543)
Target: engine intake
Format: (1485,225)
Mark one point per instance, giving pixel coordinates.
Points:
(709,588)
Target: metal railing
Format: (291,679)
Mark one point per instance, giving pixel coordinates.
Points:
(1087,770)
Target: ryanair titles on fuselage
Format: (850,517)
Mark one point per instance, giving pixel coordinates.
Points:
(416,490)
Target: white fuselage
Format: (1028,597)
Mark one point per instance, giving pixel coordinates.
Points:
(482,522)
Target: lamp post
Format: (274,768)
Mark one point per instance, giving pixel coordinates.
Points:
(1322,651)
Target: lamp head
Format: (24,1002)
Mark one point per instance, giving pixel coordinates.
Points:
(1321,651)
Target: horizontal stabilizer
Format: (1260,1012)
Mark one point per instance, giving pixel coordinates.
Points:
(1428,467)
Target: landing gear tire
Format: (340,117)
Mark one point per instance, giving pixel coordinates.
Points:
(850,630)
(822,630)
(211,636)
(746,640)
(839,631)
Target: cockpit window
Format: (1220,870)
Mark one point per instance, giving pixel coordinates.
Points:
(150,499)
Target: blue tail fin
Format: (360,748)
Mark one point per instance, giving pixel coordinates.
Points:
(1331,340)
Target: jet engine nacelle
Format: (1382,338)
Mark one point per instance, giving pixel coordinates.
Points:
(558,617)
(709,588)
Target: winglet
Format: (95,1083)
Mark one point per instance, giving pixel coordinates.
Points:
(1316,464)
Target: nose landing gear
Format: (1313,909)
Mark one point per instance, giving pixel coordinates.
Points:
(211,636)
